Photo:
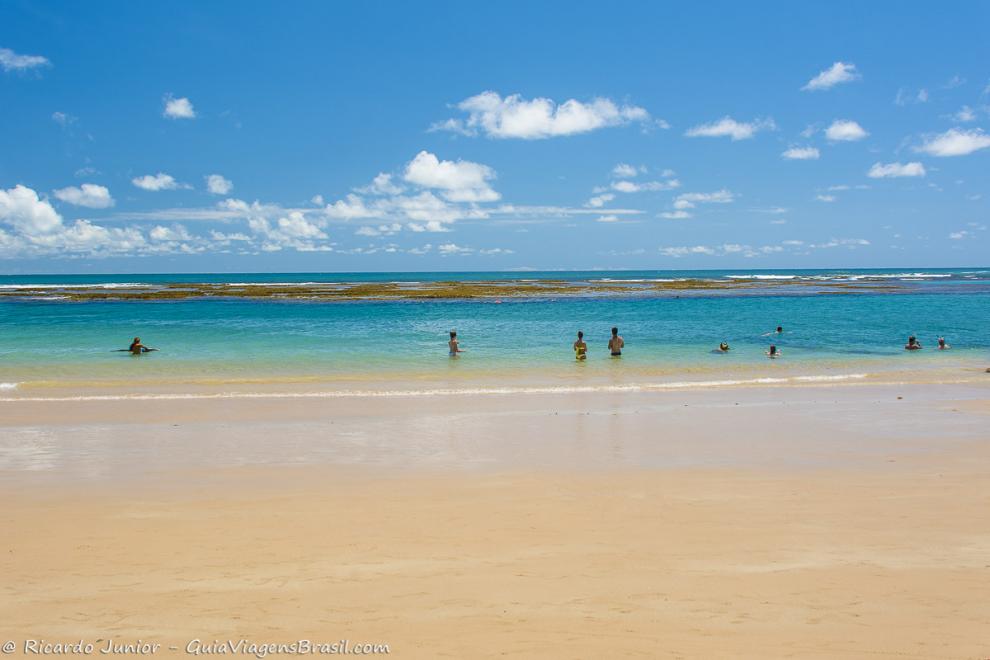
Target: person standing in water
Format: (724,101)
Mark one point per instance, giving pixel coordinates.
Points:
(453,345)
(912,344)
(616,343)
(942,345)
(580,347)
(773,352)
(723,347)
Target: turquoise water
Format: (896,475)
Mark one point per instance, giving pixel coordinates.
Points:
(51,342)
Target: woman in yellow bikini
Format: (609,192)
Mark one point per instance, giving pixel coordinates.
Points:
(580,347)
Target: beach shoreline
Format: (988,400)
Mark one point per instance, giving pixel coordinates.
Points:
(832,522)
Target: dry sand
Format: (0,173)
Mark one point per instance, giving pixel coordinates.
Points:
(824,522)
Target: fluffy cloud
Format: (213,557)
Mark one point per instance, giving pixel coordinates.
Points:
(156,182)
(845,130)
(634,186)
(381,185)
(838,73)
(624,171)
(34,228)
(729,127)
(889,170)
(293,231)
(452,248)
(460,181)
(178,108)
(955,142)
(599,201)
(516,117)
(689,200)
(349,208)
(89,195)
(11,61)
(22,209)
(801,153)
(218,185)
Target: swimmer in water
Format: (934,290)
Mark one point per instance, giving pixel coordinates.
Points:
(942,345)
(912,344)
(616,343)
(137,348)
(580,347)
(723,347)
(773,352)
(778,331)
(453,345)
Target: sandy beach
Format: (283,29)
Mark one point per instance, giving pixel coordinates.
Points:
(818,521)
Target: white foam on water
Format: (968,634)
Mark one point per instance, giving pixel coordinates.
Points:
(8,386)
(475,391)
(108,285)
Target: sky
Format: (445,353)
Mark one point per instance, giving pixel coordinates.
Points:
(394,136)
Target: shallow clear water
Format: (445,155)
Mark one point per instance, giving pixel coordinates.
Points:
(216,340)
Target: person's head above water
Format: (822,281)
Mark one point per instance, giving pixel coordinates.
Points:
(724,346)
(780,329)
(773,349)
(615,331)
(580,335)
(453,333)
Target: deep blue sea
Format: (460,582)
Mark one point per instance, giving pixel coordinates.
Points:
(47,342)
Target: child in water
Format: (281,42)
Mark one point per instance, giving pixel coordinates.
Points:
(723,347)
(942,345)
(453,345)
(580,347)
(773,352)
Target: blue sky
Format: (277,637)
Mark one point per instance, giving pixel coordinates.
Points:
(228,136)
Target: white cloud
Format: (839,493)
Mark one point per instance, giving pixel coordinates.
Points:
(633,186)
(178,108)
(675,215)
(380,230)
(959,235)
(839,72)
(689,200)
(624,171)
(460,181)
(801,153)
(845,130)
(955,142)
(905,97)
(607,218)
(452,248)
(516,117)
(156,182)
(825,198)
(965,114)
(21,208)
(173,233)
(63,119)
(89,195)
(349,208)
(599,201)
(381,185)
(729,127)
(11,61)
(890,170)
(218,185)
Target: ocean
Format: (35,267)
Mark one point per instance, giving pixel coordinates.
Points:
(50,344)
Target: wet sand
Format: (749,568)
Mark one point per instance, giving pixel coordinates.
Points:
(820,521)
